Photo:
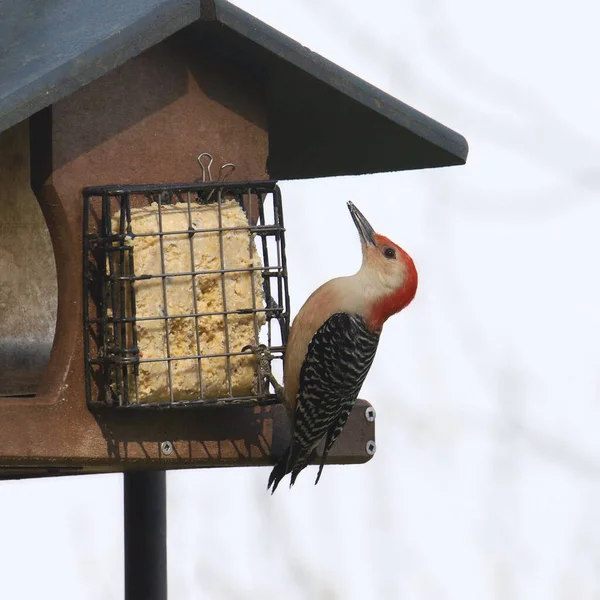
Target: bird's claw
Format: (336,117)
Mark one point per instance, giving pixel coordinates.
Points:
(264,356)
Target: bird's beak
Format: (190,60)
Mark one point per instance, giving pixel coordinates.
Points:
(366,232)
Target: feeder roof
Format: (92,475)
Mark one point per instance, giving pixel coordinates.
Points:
(322,120)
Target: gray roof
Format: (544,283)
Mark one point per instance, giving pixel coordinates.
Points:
(322,119)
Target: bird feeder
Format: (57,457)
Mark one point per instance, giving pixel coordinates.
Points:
(177,291)
(106,110)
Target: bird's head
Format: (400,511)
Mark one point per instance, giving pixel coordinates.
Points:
(388,274)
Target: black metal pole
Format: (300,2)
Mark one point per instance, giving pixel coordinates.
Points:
(145,499)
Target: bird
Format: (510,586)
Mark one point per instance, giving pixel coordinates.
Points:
(332,344)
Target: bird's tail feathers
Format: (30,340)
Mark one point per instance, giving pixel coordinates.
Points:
(279,471)
(321,465)
(292,461)
(328,443)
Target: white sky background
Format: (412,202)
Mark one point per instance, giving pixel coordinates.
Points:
(486,483)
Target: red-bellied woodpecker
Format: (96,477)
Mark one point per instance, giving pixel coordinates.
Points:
(332,344)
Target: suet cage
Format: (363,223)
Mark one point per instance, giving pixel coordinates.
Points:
(179,281)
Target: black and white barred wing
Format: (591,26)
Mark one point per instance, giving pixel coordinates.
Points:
(336,365)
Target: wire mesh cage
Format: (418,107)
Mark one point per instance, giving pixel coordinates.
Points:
(180,282)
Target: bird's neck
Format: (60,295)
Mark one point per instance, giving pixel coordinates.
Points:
(380,306)
(363,294)
(386,306)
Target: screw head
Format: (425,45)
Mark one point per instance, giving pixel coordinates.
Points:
(370,414)
(166,448)
(371,447)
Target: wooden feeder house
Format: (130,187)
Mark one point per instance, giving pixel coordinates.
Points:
(123,345)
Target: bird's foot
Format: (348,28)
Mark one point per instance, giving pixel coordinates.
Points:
(264,356)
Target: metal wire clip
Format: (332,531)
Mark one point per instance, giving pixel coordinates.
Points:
(225,171)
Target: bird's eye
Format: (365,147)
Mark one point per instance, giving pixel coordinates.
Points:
(389,253)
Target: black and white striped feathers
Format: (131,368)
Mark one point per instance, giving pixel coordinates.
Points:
(337,361)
